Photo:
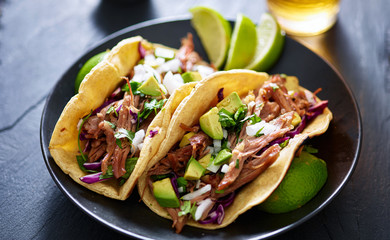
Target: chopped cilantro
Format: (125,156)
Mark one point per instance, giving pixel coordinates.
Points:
(151,106)
(112,109)
(134,88)
(111,124)
(185,208)
(123,133)
(109,173)
(119,143)
(181,182)
(259,133)
(226,119)
(129,166)
(220,191)
(237,164)
(81,161)
(284,144)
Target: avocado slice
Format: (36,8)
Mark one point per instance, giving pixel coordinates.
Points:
(150,87)
(194,170)
(205,161)
(191,77)
(209,123)
(296,119)
(230,103)
(222,157)
(186,139)
(165,194)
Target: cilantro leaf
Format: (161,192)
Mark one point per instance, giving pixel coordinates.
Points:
(226,119)
(109,173)
(284,144)
(134,88)
(111,124)
(129,166)
(123,133)
(112,109)
(259,133)
(151,106)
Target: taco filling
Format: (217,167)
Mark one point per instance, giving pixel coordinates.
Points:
(111,137)
(233,144)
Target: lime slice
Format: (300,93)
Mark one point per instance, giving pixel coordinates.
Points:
(304,179)
(214,32)
(86,68)
(270,41)
(243,43)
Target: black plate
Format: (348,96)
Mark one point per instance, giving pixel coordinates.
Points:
(339,146)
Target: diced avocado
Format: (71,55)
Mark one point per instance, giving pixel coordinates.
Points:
(205,161)
(185,140)
(209,123)
(191,77)
(165,194)
(231,103)
(194,170)
(150,87)
(222,157)
(296,119)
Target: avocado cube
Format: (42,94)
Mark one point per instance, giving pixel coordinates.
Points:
(194,170)
(205,161)
(230,103)
(296,119)
(222,157)
(209,123)
(186,139)
(165,194)
(150,87)
(191,77)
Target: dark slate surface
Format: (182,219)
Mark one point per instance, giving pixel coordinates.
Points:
(40,40)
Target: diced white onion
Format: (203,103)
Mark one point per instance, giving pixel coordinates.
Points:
(180,189)
(225,168)
(213,168)
(203,70)
(164,53)
(197,184)
(217,143)
(172,65)
(139,73)
(210,149)
(225,133)
(268,128)
(228,144)
(197,193)
(203,206)
(152,72)
(251,104)
(172,82)
(139,138)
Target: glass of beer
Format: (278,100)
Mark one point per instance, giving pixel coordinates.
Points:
(304,17)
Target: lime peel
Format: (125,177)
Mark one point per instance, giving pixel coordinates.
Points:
(270,44)
(214,32)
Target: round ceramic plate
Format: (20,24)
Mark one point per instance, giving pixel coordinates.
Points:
(339,146)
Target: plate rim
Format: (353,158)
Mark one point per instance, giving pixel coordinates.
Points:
(164,20)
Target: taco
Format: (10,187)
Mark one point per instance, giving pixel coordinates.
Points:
(229,152)
(109,131)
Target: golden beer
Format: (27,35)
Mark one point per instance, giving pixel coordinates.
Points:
(304,17)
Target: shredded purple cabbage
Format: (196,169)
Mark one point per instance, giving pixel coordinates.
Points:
(82,136)
(153,133)
(134,117)
(92,166)
(174,184)
(93,178)
(317,109)
(220,94)
(216,215)
(105,104)
(141,50)
(227,200)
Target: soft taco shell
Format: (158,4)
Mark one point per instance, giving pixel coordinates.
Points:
(103,79)
(189,112)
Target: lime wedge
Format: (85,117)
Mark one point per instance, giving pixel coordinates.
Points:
(86,68)
(270,41)
(243,43)
(214,32)
(305,178)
